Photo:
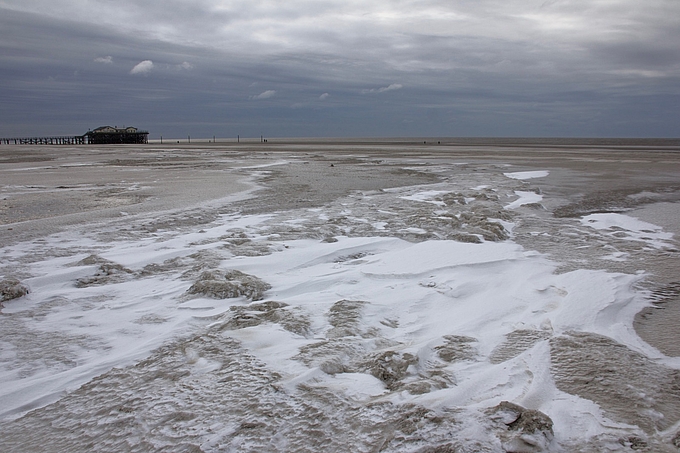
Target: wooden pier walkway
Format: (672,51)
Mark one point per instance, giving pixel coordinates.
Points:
(64,140)
(105,135)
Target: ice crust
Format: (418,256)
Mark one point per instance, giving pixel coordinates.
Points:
(382,318)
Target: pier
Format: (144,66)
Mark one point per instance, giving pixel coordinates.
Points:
(63,140)
(105,135)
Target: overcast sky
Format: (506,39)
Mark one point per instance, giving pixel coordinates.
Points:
(341,68)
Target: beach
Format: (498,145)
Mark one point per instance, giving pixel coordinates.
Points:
(341,295)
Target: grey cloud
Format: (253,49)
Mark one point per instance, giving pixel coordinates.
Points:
(531,67)
(662,55)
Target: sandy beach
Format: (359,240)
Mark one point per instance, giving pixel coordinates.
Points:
(399,291)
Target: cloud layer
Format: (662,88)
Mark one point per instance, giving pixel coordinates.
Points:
(428,67)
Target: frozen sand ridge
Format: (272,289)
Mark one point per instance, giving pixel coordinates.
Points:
(399,335)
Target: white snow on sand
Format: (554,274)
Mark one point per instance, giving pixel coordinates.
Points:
(522,175)
(626,227)
(524,198)
(410,299)
(415,294)
(427,197)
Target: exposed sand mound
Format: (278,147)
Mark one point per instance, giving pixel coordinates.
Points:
(221,284)
(390,367)
(457,348)
(11,288)
(106,274)
(526,430)
(241,316)
(629,386)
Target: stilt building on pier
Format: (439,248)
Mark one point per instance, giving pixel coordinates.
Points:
(107,135)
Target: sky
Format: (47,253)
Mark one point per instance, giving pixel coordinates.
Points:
(331,68)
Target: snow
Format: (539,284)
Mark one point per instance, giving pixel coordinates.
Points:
(426,197)
(522,175)
(413,297)
(628,227)
(431,289)
(524,198)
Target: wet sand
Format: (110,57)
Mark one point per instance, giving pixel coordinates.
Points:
(46,189)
